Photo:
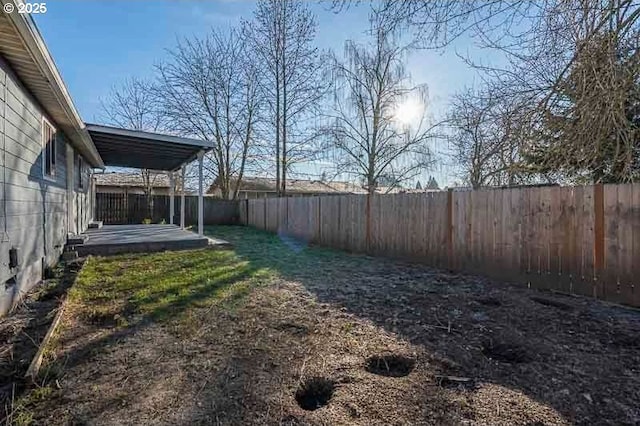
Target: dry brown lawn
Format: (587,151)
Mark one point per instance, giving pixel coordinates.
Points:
(279,333)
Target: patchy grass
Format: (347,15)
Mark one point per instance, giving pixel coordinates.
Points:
(22,413)
(116,290)
(285,256)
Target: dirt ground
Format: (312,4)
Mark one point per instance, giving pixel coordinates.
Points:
(22,331)
(329,338)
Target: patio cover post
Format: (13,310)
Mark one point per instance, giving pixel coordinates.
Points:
(182,201)
(172,186)
(200,200)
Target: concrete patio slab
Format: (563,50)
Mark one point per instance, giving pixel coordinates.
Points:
(118,239)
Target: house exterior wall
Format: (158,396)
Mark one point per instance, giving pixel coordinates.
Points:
(34,211)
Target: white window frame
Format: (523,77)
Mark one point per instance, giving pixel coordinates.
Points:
(45,159)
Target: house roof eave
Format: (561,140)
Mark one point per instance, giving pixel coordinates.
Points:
(51,92)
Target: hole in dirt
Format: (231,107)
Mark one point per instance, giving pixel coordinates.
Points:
(293,328)
(455,382)
(623,340)
(390,365)
(315,393)
(101,319)
(490,301)
(506,352)
(554,303)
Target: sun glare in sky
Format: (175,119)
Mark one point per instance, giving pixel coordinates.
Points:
(409,112)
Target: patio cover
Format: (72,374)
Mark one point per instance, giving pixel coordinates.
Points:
(144,150)
(155,151)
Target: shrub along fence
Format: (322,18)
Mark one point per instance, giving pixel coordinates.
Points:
(583,240)
(119,209)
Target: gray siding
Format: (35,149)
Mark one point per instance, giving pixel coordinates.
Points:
(33,213)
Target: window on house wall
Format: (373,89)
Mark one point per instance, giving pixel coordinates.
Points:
(49,149)
(79,174)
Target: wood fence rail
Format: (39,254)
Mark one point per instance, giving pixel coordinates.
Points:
(119,209)
(583,239)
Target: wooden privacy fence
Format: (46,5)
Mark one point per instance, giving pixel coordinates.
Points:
(583,239)
(119,209)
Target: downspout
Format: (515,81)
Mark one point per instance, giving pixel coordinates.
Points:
(5,234)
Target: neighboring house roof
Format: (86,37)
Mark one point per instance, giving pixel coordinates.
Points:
(294,186)
(159,180)
(307,186)
(23,47)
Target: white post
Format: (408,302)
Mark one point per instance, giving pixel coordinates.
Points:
(172,190)
(200,200)
(71,194)
(182,201)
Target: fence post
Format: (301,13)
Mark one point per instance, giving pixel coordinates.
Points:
(264,222)
(367,218)
(286,216)
(598,240)
(319,240)
(450,227)
(125,208)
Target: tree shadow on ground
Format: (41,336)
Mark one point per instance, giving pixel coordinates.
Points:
(575,355)
(116,298)
(170,346)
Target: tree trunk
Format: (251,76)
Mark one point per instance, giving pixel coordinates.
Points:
(277,93)
(283,181)
(284,137)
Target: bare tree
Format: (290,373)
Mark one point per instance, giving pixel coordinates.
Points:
(282,34)
(133,105)
(591,127)
(572,65)
(209,89)
(379,127)
(486,138)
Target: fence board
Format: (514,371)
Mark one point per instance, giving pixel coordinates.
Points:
(634,227)
(625,238)
(588,243)
(611,243)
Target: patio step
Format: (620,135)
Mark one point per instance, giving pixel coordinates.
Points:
(75,240)
(69,255)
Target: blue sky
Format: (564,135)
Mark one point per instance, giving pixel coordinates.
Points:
(97,44)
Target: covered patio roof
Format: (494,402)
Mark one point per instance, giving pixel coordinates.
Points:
(143,150)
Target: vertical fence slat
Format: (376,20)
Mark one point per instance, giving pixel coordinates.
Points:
(625,241)
(633,225)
